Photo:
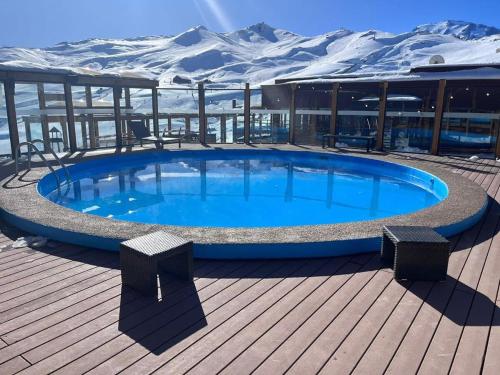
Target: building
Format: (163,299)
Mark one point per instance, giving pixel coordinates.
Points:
(438,109)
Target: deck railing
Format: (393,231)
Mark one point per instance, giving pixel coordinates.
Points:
(78,116)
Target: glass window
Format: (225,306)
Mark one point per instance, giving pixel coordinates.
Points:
(273,115)
(4,125)
(136,105)
(179,111)
(29,119)
(313,113)
(471,118)
(224,110)
(409,120)
(83,116)
(53,112)
(357,111)
(102,130)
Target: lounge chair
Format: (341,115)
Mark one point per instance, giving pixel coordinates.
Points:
(143,134)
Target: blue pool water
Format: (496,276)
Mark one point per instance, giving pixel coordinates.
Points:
(244,188)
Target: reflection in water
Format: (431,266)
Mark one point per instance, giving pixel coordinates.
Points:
(244,192)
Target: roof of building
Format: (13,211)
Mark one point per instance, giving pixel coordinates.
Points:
(420,73)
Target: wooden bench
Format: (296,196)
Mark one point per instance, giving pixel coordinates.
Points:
(328,137)
(415,253)
(142,257)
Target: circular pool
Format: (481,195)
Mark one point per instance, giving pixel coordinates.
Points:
(244,203)
(245,189)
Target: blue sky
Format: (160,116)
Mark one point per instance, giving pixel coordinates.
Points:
(40,23)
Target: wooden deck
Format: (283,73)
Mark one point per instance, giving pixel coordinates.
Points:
(63,310)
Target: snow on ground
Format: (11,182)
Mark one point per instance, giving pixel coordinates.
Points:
(260,53)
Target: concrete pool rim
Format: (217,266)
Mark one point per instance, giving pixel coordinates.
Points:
(24,207)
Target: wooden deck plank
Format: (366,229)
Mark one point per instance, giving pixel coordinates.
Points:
(214,318)
(97,277)
(57,324)
(29,266)
(469,356)
(275,351)
(381,350)
(102,292)
(13,366)
(269,291)
(65,349)
(86,273)
(64,310)
(441,351)
(45,285)
(491,362)
(232,346)
(320,351)
(412,349)
(339,324)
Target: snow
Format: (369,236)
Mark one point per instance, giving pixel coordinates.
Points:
(260,53)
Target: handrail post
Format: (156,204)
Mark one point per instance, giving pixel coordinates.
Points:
(117,93)
(43,118)
(156,122)
(201,114)
(9,88)
(70,114)
(90,117)
(246,114)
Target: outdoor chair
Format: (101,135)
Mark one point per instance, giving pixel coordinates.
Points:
(143,134)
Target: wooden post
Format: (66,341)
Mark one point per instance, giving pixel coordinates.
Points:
(381,116)
(128,105)
(27,128)
(291,123)
(84,132)
(235,128)
(62,121)
(201,114)
(156,123)
(438,117)
(70,116)
(117,93)
(90,117)
(223,129)
(9,88)
(187,121)
(246,114)
(334,108)
(497,148)
(169,122)
(43,118)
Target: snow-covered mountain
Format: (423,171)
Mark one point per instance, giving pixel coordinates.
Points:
(261,53)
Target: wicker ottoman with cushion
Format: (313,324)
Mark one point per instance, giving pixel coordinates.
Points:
(141,257)
(415,253)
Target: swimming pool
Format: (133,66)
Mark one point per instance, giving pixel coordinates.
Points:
(244,203)
(245,189)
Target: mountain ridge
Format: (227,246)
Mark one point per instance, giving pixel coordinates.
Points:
(261,53)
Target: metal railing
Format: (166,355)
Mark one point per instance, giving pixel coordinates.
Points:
(31,145)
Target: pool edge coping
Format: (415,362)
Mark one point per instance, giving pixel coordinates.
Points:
(464,206)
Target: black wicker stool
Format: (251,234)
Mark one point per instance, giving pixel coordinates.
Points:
(141,257)
(415,253)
